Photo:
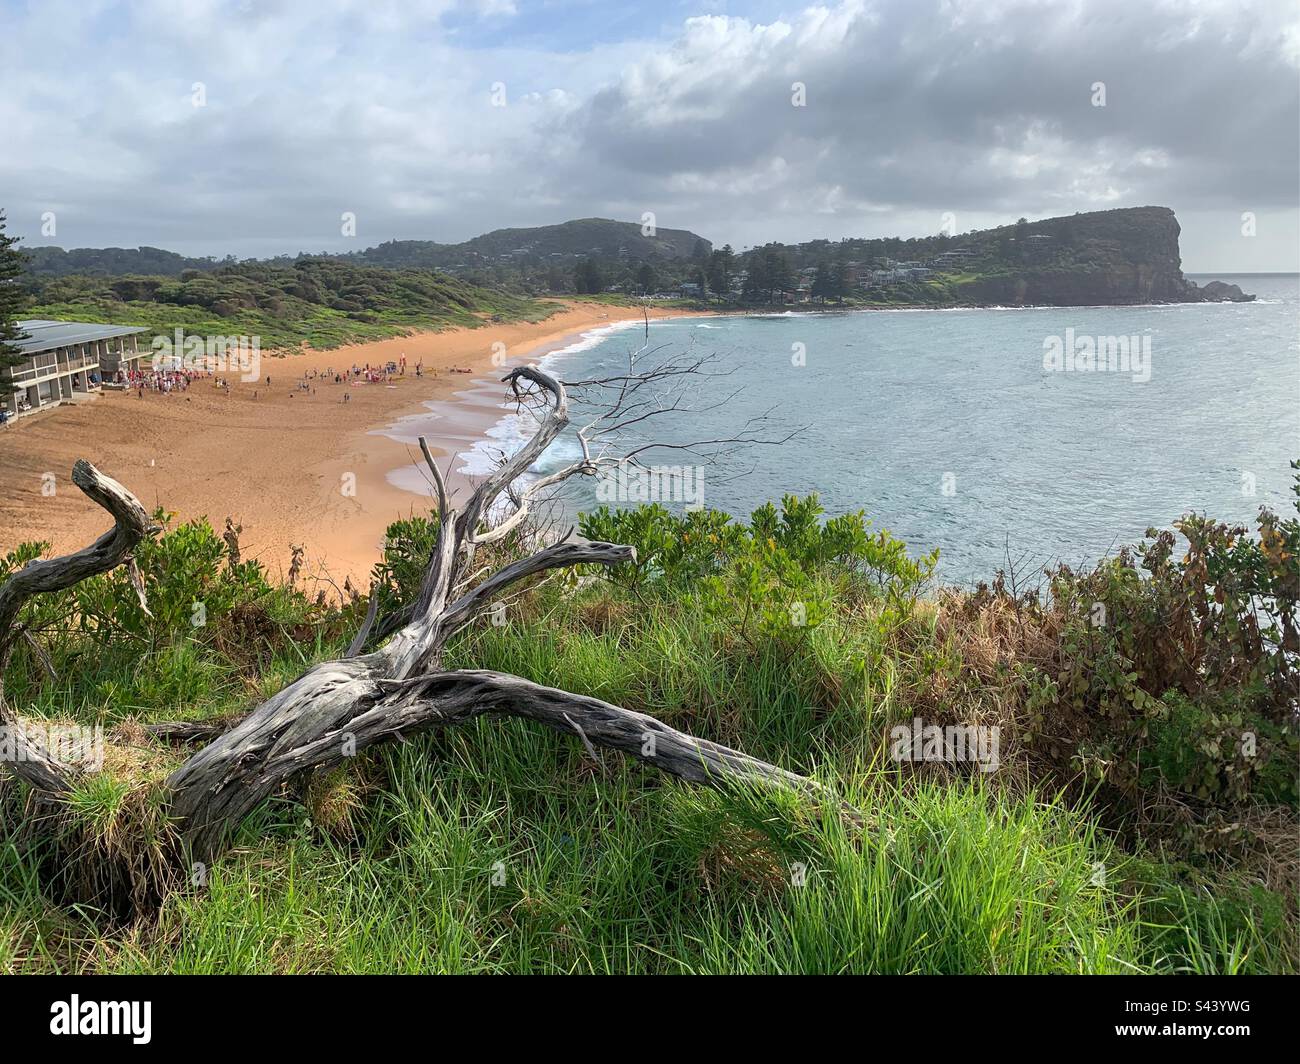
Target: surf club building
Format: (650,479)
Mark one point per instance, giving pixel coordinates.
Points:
(67,362)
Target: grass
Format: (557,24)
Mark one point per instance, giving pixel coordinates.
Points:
(321,328)
(323,303)
(500,846)
(498,851)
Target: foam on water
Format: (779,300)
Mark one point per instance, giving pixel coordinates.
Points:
(517,427)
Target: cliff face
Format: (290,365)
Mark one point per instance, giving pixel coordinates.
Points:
(1105,257)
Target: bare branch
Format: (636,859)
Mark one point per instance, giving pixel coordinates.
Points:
(363,633)
(339,707)
(42,576)
(560,556)
(438,481)
(391,709)
(552,424)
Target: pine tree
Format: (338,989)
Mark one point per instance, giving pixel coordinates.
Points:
(839,281)
(12,301)
(720,271)
(777,268)
(823,285)
(756,283)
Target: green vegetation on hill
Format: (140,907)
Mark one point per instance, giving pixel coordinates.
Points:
(1128,255)
(48,261)
(1129,828)
(598,237)
(322,302)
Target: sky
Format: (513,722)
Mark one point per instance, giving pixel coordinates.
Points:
(215,127)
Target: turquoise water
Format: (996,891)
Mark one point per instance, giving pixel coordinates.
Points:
(946,428)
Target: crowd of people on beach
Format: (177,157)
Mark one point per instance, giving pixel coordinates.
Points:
(167,381)
(162,381)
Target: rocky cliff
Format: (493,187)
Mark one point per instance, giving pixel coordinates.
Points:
(1104,257)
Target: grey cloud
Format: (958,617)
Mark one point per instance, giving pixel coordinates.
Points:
(914,108)
(907,109)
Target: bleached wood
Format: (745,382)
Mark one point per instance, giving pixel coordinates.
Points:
(131,524)
(339,708)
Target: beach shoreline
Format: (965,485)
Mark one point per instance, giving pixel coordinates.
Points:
(290,467)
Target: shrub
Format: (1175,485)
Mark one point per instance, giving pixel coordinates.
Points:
(408,545)
(775,576)
(1157,675)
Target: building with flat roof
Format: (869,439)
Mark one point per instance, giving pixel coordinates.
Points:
(68,361)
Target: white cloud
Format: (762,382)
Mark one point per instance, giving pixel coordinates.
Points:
(913,109)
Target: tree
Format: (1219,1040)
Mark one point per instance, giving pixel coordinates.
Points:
(776,270)
(587,278)
(720,263)
(556,279)
(646,278)
(756,280)
(823,286)
(830,281)
(839,281)
(12,301)
(391,682)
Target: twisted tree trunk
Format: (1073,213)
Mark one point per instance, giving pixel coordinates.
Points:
(339,708)
(32,763)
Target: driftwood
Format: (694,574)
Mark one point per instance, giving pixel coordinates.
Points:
(339,708)
(115,547)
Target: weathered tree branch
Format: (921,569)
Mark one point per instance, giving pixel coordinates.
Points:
(31,763)
(114,547)
(339,708)
(386,710)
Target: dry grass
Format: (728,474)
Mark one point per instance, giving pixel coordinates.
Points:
(110,843)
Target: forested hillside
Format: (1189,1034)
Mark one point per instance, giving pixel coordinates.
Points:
(595,237)
(325,301)
(46,261)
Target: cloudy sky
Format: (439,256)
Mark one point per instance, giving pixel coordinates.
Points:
(218,126)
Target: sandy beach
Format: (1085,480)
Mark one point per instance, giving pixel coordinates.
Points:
(292,467)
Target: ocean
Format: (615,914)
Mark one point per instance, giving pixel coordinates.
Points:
(986,433)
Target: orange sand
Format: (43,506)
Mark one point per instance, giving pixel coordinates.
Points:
(277,464)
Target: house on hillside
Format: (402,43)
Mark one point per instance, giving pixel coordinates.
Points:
(953,259)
